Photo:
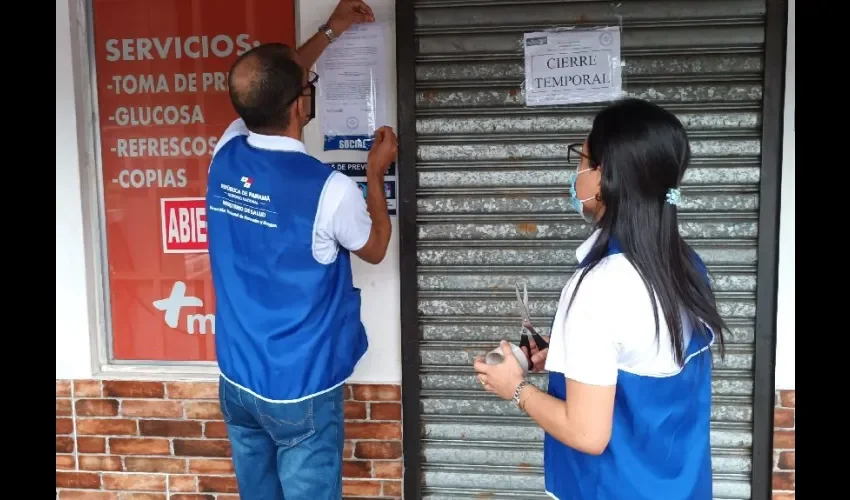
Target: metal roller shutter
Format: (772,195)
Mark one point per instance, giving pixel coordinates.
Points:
(493,209)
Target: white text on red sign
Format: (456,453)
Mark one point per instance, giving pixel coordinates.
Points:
(184,225)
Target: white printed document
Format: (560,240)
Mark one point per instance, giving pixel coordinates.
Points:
(352,88)
(572,66)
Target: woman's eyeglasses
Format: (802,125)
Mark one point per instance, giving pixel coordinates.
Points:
(575,152)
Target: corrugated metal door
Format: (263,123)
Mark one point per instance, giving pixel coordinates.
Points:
(493,209)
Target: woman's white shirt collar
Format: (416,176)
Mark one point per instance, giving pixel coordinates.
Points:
(584,248)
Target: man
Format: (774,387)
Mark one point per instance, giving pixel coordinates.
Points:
(281,225)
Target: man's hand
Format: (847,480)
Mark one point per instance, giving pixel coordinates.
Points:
(383,152)
(349,12)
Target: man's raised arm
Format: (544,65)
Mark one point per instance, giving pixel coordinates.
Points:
(347,13)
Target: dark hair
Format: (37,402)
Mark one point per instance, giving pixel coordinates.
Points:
(643,152)
(263,92)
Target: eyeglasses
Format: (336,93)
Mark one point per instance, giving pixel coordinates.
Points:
(575,152)
(312,78)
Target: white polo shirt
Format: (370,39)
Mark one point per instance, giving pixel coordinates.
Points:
(342,218)
(661,439)
(610,326)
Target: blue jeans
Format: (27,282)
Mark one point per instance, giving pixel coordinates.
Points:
(285,451)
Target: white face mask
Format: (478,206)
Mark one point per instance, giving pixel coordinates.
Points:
(578,205)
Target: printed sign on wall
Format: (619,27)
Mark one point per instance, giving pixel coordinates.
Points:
(357,172)
(184,225)
(572,66)
(352,88)
(162,99)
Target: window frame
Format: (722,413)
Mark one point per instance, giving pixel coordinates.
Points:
(104,364)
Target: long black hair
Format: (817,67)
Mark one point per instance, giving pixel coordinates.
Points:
(643,151)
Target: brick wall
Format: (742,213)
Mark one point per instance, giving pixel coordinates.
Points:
(139,440)
(784,438)
(135,440)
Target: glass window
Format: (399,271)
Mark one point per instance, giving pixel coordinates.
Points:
(161,82)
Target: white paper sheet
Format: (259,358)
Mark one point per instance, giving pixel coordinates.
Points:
(352,79)
(572,66)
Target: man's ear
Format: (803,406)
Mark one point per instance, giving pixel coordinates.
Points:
(298,110)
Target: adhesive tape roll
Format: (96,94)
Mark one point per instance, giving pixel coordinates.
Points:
(496,357)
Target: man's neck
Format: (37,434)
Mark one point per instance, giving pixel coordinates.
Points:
(294,133)
(291,132)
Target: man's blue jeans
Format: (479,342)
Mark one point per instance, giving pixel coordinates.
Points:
(285,451)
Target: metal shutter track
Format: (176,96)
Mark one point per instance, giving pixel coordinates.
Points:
(493,209)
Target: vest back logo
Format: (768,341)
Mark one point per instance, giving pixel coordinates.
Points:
(173,306)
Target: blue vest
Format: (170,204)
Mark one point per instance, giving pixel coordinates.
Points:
(659,446)
(287,327)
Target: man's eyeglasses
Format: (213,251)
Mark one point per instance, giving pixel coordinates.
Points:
(312,78)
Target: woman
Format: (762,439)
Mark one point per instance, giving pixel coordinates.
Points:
(637,371)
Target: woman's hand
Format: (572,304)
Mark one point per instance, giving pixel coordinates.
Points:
(537,356)
(502,379)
